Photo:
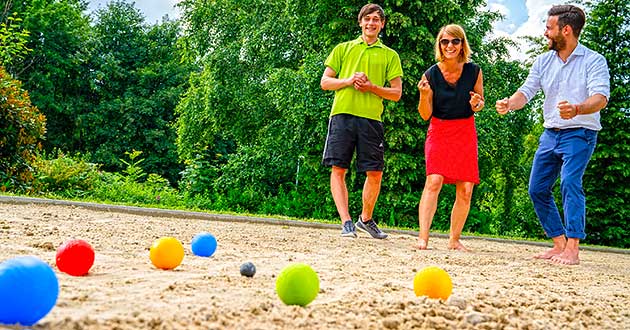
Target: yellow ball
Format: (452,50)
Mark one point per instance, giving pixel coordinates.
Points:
(166,253)
(433,282)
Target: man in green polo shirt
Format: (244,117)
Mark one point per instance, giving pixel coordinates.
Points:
(358,71)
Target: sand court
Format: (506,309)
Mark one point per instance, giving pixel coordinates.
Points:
(364,283)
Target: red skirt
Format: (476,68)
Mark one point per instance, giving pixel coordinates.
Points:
(451,150)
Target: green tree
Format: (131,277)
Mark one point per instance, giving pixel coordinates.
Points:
(13,40)
(252,59)
(137,78)
(56,72)
(607,178)
(107,87)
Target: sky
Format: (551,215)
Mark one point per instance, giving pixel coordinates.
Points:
(523,17)
(153,10)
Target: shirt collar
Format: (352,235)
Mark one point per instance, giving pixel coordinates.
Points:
(360,40)
(578,51)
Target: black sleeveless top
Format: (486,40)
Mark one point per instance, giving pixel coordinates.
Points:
(451,101)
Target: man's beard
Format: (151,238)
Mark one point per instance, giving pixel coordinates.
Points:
(558,43)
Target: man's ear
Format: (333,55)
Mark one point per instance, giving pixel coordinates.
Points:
(567,30)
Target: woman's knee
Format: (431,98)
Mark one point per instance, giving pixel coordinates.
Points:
(464,192)
(433,183)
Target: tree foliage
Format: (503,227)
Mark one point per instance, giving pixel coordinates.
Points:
(607,178)
(13,40)
(55,72)
(137,79)
(22,128)
(106,84)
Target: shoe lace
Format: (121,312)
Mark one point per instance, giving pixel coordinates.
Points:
(348,226)
(372,225)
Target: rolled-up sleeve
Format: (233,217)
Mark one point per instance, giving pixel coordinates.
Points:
(598,81)
(532,84)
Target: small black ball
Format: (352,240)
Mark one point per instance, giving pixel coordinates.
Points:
(248,269)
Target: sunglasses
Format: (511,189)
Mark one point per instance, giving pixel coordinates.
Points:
(455,42)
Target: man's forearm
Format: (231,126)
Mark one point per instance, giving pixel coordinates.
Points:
(388,93)
(592,104)
(517,101)
(333,84)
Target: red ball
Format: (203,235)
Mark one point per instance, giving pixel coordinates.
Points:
(75,257)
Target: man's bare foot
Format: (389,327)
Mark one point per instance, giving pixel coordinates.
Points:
(566,258)
(458,246)
(422,245)
(555,251)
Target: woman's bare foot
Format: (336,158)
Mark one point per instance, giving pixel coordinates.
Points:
(566,258)
(555,251)
(458,246)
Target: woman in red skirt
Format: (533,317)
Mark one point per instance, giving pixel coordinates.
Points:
(451,91)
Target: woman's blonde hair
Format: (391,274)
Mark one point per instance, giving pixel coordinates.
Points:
(457,32)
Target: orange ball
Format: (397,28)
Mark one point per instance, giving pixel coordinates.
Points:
(166,253)
(433,282)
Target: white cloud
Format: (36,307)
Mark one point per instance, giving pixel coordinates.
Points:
(501,8)
(533,26)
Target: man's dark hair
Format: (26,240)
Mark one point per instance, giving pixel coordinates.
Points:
(569,15)
(370,8)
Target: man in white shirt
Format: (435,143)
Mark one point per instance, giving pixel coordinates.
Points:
(576,84)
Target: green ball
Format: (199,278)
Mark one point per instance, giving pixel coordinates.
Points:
(297,284)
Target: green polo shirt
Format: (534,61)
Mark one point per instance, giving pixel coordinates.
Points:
(379,62)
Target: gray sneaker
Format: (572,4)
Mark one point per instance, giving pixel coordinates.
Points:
(348,229)
(370,228)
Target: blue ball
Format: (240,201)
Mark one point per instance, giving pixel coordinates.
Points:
(204,245)
(28,290)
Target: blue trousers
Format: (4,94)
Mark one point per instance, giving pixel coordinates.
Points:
(565,153)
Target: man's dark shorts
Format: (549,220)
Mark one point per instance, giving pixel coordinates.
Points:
(347,133)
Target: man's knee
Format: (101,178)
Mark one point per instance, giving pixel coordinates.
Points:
(374,176)
(338,174)
(571,185)
(537,193)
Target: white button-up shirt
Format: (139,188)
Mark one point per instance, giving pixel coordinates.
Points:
(584,74)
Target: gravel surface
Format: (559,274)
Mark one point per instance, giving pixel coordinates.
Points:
(364,283)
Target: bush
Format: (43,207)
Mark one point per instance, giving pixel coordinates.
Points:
(117,188)
(68,176)
(127,188)
(22,127)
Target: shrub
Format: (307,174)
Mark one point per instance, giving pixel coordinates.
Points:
(22,127)
(68,176)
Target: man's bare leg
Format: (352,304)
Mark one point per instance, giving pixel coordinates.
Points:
(570,255)
(461,207)
(340,192)
(427,208)
(559,243)
(371,189)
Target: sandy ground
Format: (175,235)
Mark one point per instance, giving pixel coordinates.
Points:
(365,283)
